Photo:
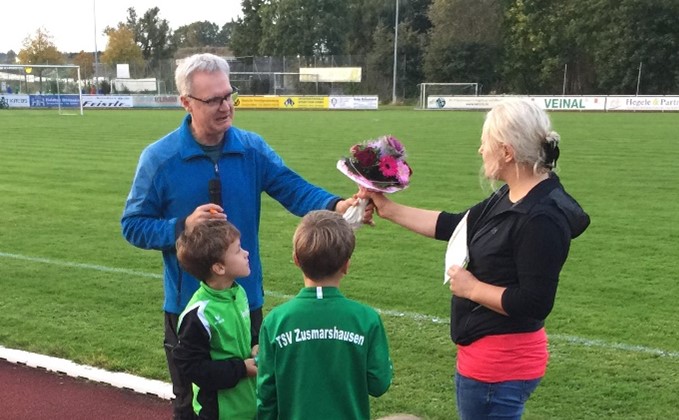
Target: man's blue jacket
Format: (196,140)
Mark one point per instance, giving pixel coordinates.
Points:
(172,180)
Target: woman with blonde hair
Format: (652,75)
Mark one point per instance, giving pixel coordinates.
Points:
(517,242)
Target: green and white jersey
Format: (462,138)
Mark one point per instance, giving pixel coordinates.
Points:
(214,341)
(320,356)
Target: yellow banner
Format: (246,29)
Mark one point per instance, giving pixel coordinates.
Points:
(282,102)
(259,102)
(304,102)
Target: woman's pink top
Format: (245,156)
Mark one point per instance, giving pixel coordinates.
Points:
(504,357)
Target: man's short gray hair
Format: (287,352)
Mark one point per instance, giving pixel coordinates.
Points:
(209,63)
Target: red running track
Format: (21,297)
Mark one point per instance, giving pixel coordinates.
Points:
(28,393)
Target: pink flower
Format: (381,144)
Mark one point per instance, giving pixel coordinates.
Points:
(378,164)
(388,166)
(404,172)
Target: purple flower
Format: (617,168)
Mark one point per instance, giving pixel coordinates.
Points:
(378,164)
(393,142)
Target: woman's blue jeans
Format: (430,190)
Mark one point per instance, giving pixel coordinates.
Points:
(503,400)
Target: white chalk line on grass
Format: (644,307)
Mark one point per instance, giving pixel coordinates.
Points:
(414,316)
(69,264)
(586,342)
(164,390)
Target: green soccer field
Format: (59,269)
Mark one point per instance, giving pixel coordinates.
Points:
(73,288)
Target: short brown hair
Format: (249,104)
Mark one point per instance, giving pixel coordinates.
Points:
(323,243)
(204,246)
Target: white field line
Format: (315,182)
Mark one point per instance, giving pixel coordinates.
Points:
(414,316)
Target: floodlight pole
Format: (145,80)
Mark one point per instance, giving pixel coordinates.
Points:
(96,58)
(393,84)
(639,78)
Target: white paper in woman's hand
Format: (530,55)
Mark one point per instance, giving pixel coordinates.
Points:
(354,215)
(457,252)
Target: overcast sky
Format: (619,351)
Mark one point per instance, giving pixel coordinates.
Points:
(71,23)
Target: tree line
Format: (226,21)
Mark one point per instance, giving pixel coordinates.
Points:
(575,47)
(507,46)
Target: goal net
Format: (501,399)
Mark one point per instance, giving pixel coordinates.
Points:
(43,86)
(434,95)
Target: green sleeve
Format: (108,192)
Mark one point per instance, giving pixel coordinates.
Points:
(379,362)
(267,404)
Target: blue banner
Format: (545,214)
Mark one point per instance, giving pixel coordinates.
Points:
(54,101)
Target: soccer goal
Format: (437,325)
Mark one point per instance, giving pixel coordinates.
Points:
(46,86)
(433,95)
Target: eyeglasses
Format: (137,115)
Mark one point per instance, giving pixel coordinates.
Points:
(217,100)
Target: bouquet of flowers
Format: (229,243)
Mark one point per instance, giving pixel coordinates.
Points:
(378,165)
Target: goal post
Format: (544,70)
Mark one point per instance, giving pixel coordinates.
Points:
(50,86)
(432,95)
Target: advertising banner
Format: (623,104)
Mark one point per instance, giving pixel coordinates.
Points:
(571,103)
(353,102)
(258,102)
(642,103)
(282,102)
(16,101)
(304,102)
(330,74)
(159,101)
(463,102)
(54,101)
(551,103)
(107,101)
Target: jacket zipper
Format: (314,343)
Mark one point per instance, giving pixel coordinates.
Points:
(180,277)
(241,322)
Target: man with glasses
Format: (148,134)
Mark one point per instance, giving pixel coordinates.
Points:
(209,169)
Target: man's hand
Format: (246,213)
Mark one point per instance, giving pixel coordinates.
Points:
(344,205)
(204,213)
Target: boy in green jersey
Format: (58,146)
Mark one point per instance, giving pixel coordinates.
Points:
(321,354)
(214,350)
